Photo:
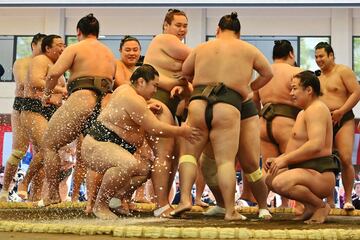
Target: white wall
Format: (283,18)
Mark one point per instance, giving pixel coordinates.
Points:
(340,23)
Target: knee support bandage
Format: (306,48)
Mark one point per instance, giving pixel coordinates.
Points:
(254,176)
(187,159)
(209,170)
(15,157)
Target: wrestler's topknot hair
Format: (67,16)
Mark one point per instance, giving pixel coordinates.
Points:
(128,38)
(281,49)
(309,79)
(37,38)
(326,46)
(233,15)
(230,22)
(145,71)
(48,41)
(89,25)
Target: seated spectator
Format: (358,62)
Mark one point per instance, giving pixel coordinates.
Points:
(356,196)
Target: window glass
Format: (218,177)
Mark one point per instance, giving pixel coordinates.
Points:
(23,46)
(6,59)
(307,51)
(356,56)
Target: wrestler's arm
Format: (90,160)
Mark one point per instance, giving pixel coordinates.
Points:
(351,84)
(120,76)
(257,101)
(18,70)
(173,47)
(188,66)
(141,115)
(262,66)
(62,64)
(37,72)
(315,121)
(60,87)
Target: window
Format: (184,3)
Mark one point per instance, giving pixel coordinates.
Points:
(12,48)
(356,56)
(6,59)
(307,51)
(23,46)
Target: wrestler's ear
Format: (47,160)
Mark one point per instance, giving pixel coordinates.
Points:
(291,54)
(165,26)
(217,31)
(309,90)
(141,82)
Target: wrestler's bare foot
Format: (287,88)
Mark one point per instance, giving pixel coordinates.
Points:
(234,216)
(307,213)
(47,202)
(180,209)
(123,209)
(104,213)
(201,204)
(22,191)
(52,197)
(89,208)
(4,195)
(319,215)
(141,199)
(299,209)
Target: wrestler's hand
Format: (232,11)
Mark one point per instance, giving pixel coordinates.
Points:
(180,78)
(336,116)
(65,94)
(177,90)
(277,164)
(267,164)
(45,100)
(155,107)
(190,133)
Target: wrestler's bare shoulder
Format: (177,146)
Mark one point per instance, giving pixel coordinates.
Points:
(165,37)
(40,59)
(286,67)
(22,62)
(20,68)
(127,93)
(342,67)
(318,107)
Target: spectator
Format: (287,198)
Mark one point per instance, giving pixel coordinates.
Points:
(2,71)
(356,196)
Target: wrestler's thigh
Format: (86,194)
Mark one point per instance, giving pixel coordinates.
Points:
(162,146)
(145,156)
(37,127)
(225,132)
(196,118)
(268,150)
(100,156)
(66,123)
(208,150)
(344,140)
(19,134)
(165,115)
(281,128)
(321,184)
(249,144)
